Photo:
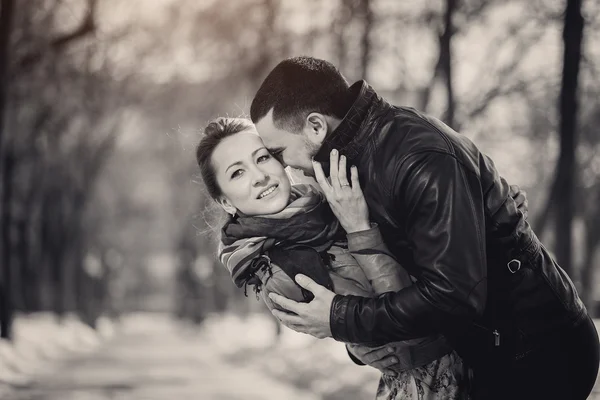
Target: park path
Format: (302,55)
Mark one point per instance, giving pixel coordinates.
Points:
(153,358)
(157,363)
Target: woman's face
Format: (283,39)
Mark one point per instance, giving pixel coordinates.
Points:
(251,180)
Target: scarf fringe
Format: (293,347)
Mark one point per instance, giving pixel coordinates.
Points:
(260,263)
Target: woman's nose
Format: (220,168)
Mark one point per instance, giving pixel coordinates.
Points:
(259,177)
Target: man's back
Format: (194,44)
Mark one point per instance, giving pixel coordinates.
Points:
(447,215)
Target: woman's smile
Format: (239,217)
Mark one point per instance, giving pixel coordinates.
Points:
(268,191)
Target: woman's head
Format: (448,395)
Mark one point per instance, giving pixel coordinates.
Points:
(238,171)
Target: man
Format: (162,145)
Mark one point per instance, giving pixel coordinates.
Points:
(483,278)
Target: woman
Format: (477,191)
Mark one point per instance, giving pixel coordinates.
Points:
(277,230)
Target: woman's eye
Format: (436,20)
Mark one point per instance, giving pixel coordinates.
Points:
(236,173)
(264,158)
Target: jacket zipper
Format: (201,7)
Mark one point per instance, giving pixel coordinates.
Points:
(496,337)
(495,333)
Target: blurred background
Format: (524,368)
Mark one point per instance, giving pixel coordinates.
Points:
(107,240)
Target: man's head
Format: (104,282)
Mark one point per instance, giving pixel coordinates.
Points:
(298,104)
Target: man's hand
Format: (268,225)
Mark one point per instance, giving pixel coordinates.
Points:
(381,357)
(520,198)
(311,318)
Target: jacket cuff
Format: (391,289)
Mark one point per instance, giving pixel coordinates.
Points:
(367,239)
(337,318)
(353,358)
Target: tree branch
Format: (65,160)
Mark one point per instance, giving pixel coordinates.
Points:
(87,26)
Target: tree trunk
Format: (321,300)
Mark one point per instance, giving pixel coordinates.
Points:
(271,9)
(540,222)
(443,66)
(368,19)
(344,16)
(29,283)
(588,270)
(446,61)
(589,202)
(7,269)
(572,38)
(6,19)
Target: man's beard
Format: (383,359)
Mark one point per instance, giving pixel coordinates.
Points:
(311,151)
(311,148)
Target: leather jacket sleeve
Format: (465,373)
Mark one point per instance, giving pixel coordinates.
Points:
(441,202)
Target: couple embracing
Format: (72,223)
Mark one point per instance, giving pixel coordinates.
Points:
(413,250)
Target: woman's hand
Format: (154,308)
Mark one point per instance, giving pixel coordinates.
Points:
(346,200)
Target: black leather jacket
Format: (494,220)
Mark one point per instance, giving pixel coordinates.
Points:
(446,214)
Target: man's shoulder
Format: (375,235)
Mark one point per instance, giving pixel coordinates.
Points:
(408,131)
(408,137)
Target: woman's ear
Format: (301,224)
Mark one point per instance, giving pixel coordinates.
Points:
(315,128)
(226,205)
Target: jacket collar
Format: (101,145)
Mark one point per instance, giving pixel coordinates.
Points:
(348,138)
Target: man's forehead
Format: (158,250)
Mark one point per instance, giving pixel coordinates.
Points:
(266,122)
(270,134)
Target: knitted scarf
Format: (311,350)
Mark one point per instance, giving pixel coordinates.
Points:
(306,221)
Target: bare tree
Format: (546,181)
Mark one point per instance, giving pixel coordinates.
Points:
(442,69)
(60,42)
(6,19)
(265,49)
(572,38)
(445,60)
(53,153)
(368,20)
(592,241)
(344,15)
(562,189)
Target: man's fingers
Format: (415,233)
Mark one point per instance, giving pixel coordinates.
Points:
(290,320)
(333,168)
(522,203)
(378,354)
(308,284)
(285,303)
(523,210)
(371,354)
(387,362)
(342,173)
(320,177)
(389,372)
(519,197)
(384,364)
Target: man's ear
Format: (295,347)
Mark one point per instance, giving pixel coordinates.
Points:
(226,205)
(315,128)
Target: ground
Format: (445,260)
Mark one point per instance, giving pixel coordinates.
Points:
(152,357)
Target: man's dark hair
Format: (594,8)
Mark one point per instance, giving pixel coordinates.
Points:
(298,86)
